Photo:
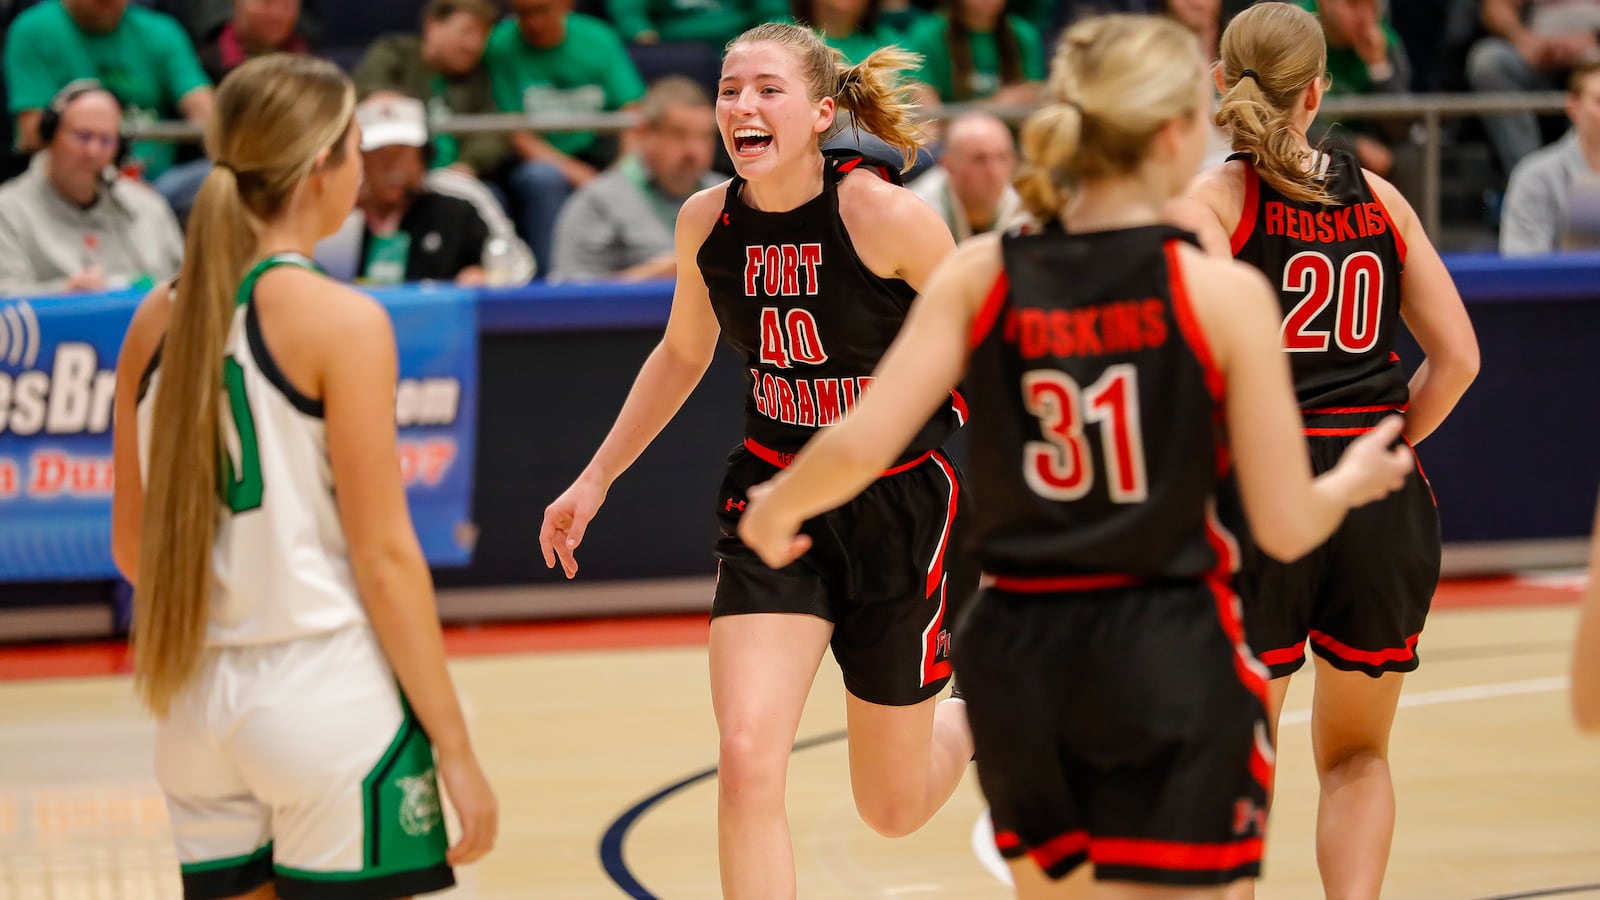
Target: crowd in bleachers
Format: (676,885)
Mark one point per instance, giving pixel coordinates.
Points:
(502,208)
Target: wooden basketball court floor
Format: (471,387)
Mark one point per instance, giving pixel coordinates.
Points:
(600,740)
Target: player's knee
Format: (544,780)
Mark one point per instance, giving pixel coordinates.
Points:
(889,815)
(751,762)
(1350,759)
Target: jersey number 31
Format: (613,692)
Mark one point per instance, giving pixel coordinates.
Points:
(1060,467)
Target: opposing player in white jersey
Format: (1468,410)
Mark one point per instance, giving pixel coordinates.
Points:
(285,633)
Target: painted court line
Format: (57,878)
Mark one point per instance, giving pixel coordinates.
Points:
(983,831)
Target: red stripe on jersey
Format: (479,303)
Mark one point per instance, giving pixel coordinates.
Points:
(1006,840)
(782,460)
(1283,654)
(1369,657)
(936,567)
(1184,313)
(1175,855)
(1338,432)
(1352,410)
(959,403)
(1059,848)
(1414,456)
(1247,216)
(1399,242)
(1249,669)
(984,321)
(848,167)
(1063,583)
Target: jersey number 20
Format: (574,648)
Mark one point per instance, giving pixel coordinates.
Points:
(240,483)
(1060,467)
(1360,290)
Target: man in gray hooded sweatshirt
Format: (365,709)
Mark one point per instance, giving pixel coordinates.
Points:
(70,224)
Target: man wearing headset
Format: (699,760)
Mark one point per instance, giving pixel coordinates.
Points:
(71,223)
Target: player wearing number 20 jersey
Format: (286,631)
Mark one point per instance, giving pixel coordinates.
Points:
(1362,597)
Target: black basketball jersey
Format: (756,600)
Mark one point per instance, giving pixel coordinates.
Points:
(810,318)
(1337,271)
(1097,411)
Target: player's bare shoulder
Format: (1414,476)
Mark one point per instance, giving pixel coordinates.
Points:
(701,212)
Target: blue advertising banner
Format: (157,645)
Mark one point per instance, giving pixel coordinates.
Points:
(58,361)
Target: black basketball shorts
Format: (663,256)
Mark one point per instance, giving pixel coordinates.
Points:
(1123,727)
(1362,597)
(885,568)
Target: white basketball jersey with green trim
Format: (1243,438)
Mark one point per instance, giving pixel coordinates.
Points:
(280,559)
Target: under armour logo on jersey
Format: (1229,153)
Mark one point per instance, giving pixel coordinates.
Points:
(1248,818)
(725,219)
(732,505)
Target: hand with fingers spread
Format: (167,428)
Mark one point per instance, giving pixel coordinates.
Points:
(475,805)
(1373,466)
(565,521)
(770,530)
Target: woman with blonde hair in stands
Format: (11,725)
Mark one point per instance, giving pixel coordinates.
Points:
(285,634)
(1117,712)
(1350,261)
(807,263)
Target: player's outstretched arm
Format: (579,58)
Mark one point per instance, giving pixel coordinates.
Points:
(665,381)
(1586,653)
(1436,317)
(1290,513)
(359,369)
(914,378)
(127,494)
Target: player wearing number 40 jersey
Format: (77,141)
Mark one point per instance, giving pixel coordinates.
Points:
(1117,713)
(1350,261)
(807,264)
(280,594)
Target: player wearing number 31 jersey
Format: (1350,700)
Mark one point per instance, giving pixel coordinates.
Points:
(1350,261)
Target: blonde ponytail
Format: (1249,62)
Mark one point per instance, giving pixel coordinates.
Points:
(873,95)
(1049,141)
(1114,82)
(1269,55)
(273,118)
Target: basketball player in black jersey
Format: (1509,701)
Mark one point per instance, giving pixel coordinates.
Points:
(807,265)
(1350,259)
(1118,714)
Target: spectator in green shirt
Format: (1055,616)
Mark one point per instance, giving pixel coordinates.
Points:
(548,59)
(710,22)
(1365,57)
(443,67)
(851,27)
(143,57)
(975,51)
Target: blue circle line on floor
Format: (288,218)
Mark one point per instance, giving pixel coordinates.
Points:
(612,857)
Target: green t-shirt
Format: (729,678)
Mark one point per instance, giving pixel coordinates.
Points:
(714,22)
(587,72)
(928,37)
(147,62)
(858,45)
(1349,72)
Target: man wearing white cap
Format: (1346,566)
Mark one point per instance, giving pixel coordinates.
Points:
(404,228)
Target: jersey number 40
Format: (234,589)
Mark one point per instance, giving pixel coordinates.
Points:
(1360,290)
(1060,467)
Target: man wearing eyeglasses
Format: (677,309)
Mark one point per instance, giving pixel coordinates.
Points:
(71,223)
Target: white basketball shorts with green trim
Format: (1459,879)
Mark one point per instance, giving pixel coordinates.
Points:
(300,763)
